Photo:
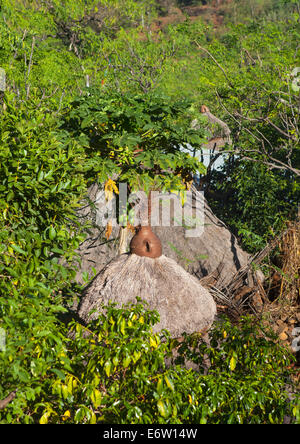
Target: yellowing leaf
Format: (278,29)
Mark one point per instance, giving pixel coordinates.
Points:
(122,327)
(136,356)
(130,227)
(65,391)
(72,384)
(232,363)
(96,398)
(181,194)
(44,418)
(169,383)
(93,419)
(108,194)
(188,186)
(108,230)
(160,385)
(162,408)
(109,189)
(66,415)
(153,342)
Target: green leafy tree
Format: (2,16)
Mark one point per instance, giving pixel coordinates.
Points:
(41,184)
(138,138)
(240,76)
(53,145)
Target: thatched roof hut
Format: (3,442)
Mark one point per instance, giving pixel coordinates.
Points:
(183,304)
(215,250)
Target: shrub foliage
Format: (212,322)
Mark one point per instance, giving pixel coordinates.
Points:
(132,123)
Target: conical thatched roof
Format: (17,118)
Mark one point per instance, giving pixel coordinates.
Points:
(183,304)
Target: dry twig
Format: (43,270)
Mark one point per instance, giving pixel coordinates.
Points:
(7,400)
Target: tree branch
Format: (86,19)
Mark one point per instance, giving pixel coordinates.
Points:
(7,400)
(269,160)
(212,57)
(27,85)
(266,119)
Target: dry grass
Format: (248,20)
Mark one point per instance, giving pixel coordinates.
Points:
(276,302)
(183,304)
(290,254)
(246,293)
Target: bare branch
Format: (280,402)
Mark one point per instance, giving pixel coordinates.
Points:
(265,157)
(276,164)
(27,85)
(217,63)
(7,400)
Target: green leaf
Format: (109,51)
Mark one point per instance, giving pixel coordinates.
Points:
(18,249)
(126,361)
(115,361)
(79,414)
(59,373)
(164,407)
(52,233)
(57,250)
(159,386)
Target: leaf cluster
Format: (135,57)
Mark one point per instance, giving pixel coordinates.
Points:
(116,370)
(137,138)
(41,183)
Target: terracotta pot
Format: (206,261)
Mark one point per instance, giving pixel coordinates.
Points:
(146,243)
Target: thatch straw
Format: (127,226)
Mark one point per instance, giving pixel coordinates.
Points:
(183,304)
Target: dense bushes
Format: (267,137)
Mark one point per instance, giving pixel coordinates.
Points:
(114,370)
(117,373)
(40,183)
(256,201)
